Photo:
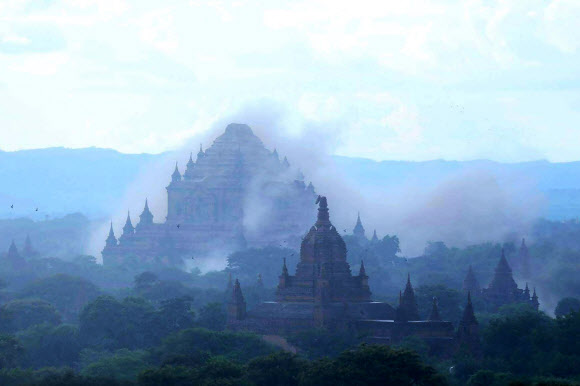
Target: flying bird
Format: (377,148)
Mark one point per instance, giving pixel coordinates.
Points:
(178,225)
(36,209)
(12,206)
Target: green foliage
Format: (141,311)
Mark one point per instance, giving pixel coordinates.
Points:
(567,305)
(11,351)
(47,345)
(530,343)
(122,365)
(371,365)
(69,294)
(280,368)
(238,346)
(107,323)
(145,280)
(319,343)
(212,316)
(21,314)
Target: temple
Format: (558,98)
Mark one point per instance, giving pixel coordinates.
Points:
(323,293)
(14,259)
(502,289)
(222,201)
(358,230)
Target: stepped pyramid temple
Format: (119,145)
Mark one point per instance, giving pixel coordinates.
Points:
(223,201)
(323,293)
(503,288)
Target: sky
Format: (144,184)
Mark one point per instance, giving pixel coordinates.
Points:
(386,80)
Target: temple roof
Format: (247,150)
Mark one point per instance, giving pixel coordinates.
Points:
(358,230)
(468,314)
(503,280)
(470,282)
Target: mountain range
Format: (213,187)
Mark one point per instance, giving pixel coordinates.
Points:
(51,182)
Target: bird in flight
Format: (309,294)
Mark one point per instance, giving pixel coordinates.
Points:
(12,206)
(36,209)
(178,225)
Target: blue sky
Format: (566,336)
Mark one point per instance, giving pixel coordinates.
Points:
(408,80)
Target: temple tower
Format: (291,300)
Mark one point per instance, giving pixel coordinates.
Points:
(128,229)
(503,286)
(237,305)
(468,331)
(28,250)
(470,283)
(358,230)
(375,238)
(408,309)
(111,239)
(535,301)
(434,316)
(323,274)
(524,260)
(14,259)
(146,218)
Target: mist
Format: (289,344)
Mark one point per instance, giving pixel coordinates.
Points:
(470,206)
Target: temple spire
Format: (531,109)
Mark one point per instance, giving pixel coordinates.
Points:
(285,163)
(535,301)
(470,283)
(468,330)
(503,281)
(359,230)
(128,229)
(237,305)
(375,238)
(323,215)
(408,309)
(362,271)
(176,176)
(200,154)
(28,250)
(468,314)
(111,239)
(146,217)
(527,291)
(525,260)
(14,258)
(434,316)
(284,268)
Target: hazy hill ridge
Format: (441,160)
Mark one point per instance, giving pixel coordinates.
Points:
(91,180)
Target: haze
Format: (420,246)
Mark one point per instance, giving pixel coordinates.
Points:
(391,80)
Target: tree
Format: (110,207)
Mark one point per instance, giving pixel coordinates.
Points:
(521,343)
(122,365)
(68,294)
(280,368)
(47,345)
(371,365)
(145,280)
(191,342)
(28,312)
(11,351)
(567,305)
(212,316)
(111,324)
